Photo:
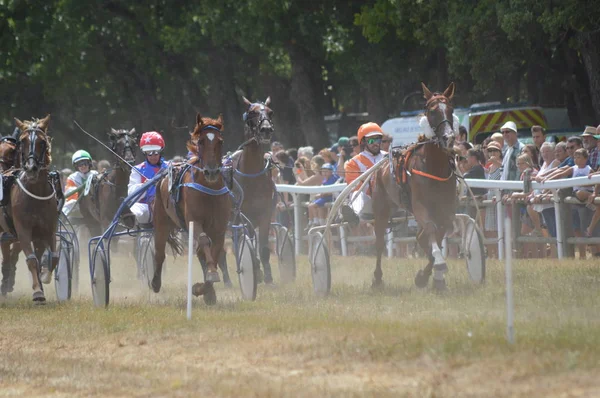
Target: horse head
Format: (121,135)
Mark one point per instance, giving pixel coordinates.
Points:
(124,144)
(258,121)
(440,115)
(34,145)
(206,142)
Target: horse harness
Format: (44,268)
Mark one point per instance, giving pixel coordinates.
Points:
(402,169)
(9,178)
(175,175)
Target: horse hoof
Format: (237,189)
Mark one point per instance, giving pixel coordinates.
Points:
(198,289)
(156,285)
(39,297)
(228,284)
(45,276)
(212,277)
(259,275)
(377,284)
(210,296)
(439,285)
(421,280)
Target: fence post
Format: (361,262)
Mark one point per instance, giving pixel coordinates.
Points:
(500,210)
(297,223)
(508,274)
(560,225)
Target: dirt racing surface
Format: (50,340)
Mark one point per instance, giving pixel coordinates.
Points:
(399,341)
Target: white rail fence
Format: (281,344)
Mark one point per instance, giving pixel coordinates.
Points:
(497,186)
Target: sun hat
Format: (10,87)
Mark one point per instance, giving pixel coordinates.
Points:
(494,145)
(510,125)
(589,132)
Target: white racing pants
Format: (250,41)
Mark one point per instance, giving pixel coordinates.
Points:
(142,213)
(361,203)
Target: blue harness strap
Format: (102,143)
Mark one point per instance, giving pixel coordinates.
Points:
(206,190)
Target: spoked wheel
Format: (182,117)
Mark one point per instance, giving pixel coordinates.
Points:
(100,276)
(285,255)
(145,259)
(63,275)
(474,252)
(319,264)
(246,262)
(71,237)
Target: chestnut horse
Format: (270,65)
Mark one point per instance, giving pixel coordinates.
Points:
(422,180)
(108,189)
(254,177)
(33,206)
(8,162)
(199,195)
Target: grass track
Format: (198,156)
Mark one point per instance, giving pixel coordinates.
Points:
(399,341)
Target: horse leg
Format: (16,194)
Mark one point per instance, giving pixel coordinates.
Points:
(161,235)
(6,268)
(422,277)
(264,250)
(46,274)
(204,247)
(382,215)
(224,270)
(439,266)
(32,264)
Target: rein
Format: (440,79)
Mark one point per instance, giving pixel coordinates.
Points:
(34,196)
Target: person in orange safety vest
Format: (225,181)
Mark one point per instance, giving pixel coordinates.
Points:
(370,136)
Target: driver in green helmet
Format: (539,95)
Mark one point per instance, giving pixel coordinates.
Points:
(82,161)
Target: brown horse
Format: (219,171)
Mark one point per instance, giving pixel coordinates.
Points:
(254,177)
(108,189)
(33,201)
(201,196)
(423,181)
(9,160)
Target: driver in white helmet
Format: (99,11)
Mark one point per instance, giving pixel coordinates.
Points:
(152,145)
(82,161)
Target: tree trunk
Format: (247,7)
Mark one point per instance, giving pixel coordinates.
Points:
(590,52)
(576,81)
(307,96)
(375,103)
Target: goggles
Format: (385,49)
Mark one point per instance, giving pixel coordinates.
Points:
(374,140)
(83,163)
(152,153)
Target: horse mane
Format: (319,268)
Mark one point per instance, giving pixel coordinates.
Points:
(191,145)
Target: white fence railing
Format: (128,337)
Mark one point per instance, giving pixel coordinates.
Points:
(498,186)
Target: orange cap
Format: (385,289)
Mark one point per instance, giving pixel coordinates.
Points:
(368,130)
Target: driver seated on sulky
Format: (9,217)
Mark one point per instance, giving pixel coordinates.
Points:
(369,136)
(82,161)
(151,144)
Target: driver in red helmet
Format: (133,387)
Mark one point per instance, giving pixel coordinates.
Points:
(152,145)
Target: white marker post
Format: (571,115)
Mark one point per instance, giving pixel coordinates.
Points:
(190,258)
(510,332)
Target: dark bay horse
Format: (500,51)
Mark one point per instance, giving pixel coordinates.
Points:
(108,189)
(199,195)
(9,161)
(33,206)
(422,180)
(253,174)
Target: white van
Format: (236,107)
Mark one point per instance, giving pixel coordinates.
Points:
(405,129)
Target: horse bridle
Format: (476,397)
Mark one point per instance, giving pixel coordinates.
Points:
(127,146)
(33,130)
(207,127)
(438,98)
(262,117)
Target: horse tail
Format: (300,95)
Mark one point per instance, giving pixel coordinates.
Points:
(174,241)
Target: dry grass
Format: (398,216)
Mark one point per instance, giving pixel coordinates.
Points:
(396,342)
